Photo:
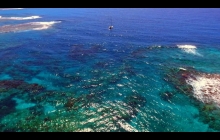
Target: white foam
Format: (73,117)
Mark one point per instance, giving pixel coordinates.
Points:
(11,8)
(45,25)
(206,88)
(189,49)
(120,85)
(19,18)
(27,26)
(181,68)
(186,46)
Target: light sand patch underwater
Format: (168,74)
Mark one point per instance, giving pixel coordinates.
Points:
(27,26)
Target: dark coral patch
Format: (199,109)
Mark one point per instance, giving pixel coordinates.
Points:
(70,103)
(47,119)
(8,84)
(177,77)
(31,88)
(114,79)
(139,53)
(7,106)
(73,78)
(80,53)
(96,48)
(129,70)
(136,100)
(101,65)
(20,85)
(166,96)
(83,53)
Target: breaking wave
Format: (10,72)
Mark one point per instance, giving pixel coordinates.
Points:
(11,8)
(189,49)
(19,18)
(44,25)
(27,26)
(206,88)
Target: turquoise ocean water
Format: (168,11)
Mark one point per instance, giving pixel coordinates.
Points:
(77,75)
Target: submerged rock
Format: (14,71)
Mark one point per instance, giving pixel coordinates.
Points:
(135,101)
(208,107)
(70,103)
(7,106)
(11,83)
(166,96)
(20,85)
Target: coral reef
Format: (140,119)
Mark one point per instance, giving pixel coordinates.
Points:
(203,88)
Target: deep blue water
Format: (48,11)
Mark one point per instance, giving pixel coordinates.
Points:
(79,76)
